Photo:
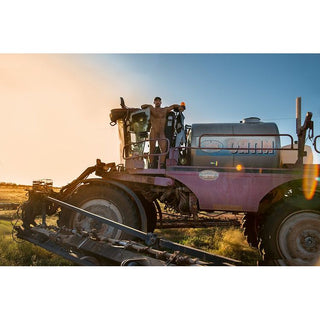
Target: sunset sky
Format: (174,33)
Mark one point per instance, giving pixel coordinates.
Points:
(55,108)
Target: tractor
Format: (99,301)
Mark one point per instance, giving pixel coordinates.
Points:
(221,169)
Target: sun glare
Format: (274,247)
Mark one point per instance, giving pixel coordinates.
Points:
(310,180)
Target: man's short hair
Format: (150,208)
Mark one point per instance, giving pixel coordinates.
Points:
(157,98)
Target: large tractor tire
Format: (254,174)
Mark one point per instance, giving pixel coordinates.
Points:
(249,226)
(151,213)
(290,232)
(107,201)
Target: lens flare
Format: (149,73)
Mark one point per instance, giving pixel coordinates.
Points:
(310,180)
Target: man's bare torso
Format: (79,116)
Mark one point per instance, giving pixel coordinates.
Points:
(158,118)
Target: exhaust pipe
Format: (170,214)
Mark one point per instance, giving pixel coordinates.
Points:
(302,130)
(298,114)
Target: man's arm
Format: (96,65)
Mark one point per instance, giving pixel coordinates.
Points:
(174,106)
(145,106)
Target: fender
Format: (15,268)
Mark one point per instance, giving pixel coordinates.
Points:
(278,193)
(123,187)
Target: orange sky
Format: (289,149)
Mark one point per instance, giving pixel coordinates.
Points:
(54,118)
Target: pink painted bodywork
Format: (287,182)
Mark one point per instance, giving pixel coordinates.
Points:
(228,189)
(234,191)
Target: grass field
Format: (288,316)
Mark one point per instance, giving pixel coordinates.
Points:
(17,252)
(224,241)
(229,242)
(13,193)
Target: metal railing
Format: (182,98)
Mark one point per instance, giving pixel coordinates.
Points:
(315,144)
(143,155)
(244,135)
(237,148)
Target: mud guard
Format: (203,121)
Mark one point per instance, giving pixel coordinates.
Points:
(143,215)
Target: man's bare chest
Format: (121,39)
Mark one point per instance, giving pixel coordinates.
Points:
(158,113)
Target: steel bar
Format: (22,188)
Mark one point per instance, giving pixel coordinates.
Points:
(168,224)
(151,238)
(203,255)
(122,227)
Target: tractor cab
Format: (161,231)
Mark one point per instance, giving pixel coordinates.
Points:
(134,133)
(134,129)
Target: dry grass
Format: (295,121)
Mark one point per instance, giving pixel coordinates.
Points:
(229,242)
(5,227)
(13,194)
(23,253)
(26,254)
(7,214)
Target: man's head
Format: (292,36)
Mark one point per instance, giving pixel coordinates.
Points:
(157,102)
(182,107)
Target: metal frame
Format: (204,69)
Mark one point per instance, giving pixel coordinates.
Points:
(149,238)
(315,143)
(213,148)
(245,135)
(149,154)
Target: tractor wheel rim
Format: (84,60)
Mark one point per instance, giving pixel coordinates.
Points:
(299,238)
(102,208)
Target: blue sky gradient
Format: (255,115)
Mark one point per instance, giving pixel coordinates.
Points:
(223,84)
(221,87)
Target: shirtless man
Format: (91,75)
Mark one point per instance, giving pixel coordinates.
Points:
(158,117)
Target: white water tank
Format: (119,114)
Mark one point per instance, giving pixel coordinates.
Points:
(235,144)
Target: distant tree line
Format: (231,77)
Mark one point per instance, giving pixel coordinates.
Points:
(7,184)
(12,184)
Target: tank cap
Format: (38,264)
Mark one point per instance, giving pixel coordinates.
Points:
(250,120)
